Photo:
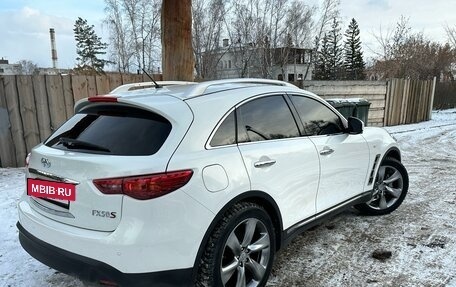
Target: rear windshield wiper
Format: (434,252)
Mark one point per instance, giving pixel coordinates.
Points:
(73,143)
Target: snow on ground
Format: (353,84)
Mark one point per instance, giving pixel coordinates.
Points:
(421,234)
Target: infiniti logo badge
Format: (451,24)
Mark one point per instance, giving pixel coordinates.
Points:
(45,162)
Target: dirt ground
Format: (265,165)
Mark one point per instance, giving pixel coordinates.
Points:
(420,235)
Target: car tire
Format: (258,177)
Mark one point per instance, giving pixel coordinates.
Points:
(390,188)
(240,249)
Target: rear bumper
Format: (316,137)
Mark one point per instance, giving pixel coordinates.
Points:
(95,271)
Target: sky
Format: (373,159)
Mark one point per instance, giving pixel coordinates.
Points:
(24,24)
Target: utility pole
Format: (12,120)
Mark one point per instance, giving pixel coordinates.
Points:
(177,53)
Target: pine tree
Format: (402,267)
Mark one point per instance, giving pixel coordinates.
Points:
(322,71)
(335,58)
(88,47)
(353,62)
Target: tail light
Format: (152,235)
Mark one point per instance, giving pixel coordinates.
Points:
(145,186)
(105,99)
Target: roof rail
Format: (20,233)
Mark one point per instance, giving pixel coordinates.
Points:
(147,85)
(201,88)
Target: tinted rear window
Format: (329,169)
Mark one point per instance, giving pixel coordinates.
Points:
(266,118)
(113,130)
(226,133)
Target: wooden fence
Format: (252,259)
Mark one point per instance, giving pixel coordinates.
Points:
(408,101)
(31,107)
(393,102)
(373,91)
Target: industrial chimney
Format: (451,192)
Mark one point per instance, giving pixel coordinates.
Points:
(53,48)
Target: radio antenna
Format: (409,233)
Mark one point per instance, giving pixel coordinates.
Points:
(157,86)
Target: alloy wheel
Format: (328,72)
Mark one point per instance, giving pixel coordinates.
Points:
(388,187)
(246,254)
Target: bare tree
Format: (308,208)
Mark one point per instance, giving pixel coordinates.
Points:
(26,67)
(411,55)
(328,11)
(247,32)
(208,21)
(121,51)
(275,51)
(451,33)
(134,27)
(263,33)
(299,25)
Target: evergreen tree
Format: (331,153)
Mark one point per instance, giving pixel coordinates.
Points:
(335,51)
(353,62)
(322,71)
(88,47)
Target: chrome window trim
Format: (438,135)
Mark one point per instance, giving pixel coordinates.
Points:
(283,94)
(208,146)
(326,104)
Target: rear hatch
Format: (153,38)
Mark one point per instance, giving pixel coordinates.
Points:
(129,137)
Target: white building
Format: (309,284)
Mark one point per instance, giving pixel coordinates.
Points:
(52,71)
(247,61)
(8,69)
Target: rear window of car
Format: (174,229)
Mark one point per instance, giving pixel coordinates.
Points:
(114,130)
(226,133)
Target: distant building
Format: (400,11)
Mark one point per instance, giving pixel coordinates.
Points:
(53,71)
(248,61)
(8,69)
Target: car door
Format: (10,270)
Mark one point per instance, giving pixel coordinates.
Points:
(344,158)
(278,161)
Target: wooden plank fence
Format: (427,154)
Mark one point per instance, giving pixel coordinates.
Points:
(373,91)
(408,101)
(31,107)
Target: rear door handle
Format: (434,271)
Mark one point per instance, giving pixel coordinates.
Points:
(326,151)
(264,163)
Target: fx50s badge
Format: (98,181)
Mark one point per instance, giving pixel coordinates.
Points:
(102,213)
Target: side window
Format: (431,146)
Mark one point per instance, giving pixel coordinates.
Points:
(265,119)
(316,117)
(226,132)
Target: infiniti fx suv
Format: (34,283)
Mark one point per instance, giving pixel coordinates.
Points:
(198,184)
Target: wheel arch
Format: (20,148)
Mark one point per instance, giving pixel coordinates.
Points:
(259,197)
(393,152)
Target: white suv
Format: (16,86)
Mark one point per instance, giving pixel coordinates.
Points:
(188,184)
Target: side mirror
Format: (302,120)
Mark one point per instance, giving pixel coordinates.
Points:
(355,126)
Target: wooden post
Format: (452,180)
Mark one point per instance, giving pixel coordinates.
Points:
(68,95)
(431,100)
(27,109)
(7,150)
(79,85)
(17,132)
(102,84)
(42,106)
(56,101)
(177,53)
(386,117)
(115,80)
(91,86)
